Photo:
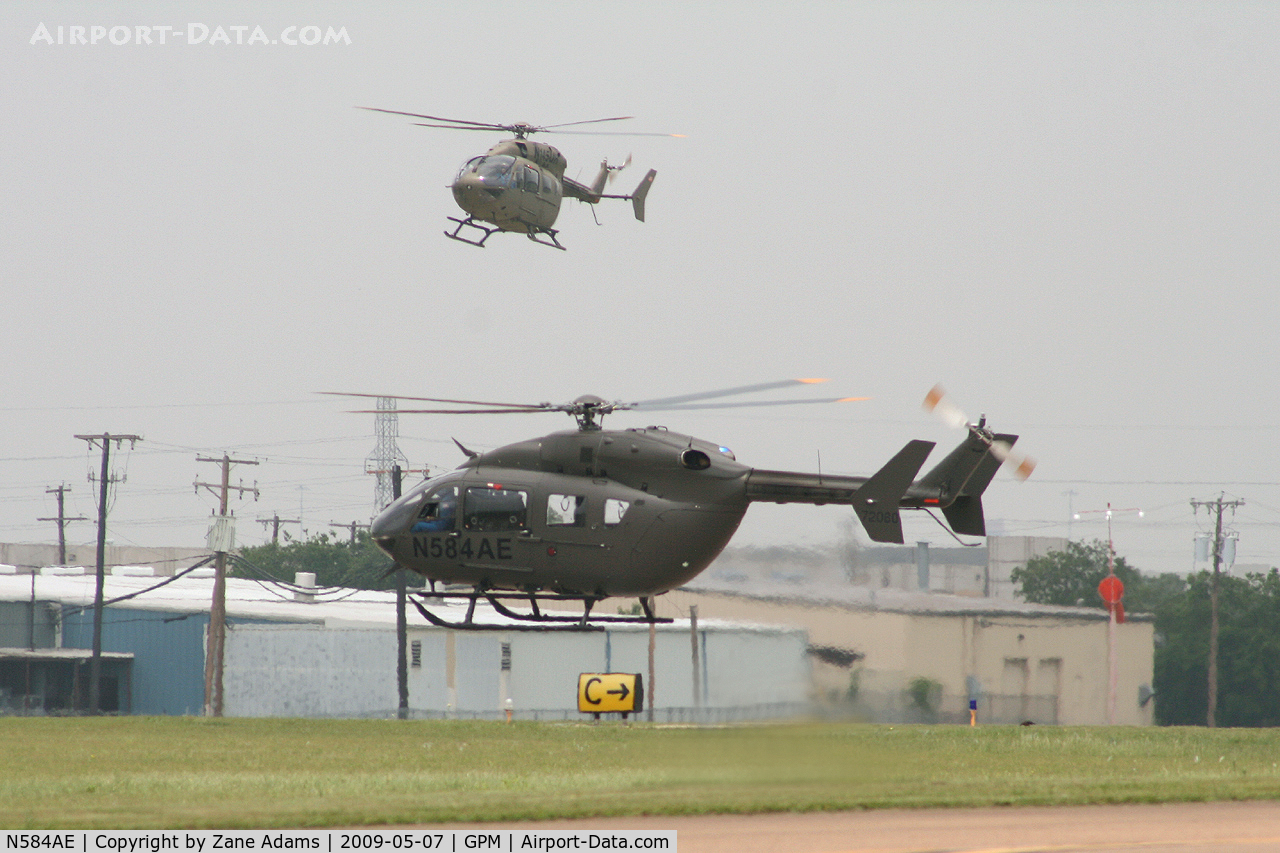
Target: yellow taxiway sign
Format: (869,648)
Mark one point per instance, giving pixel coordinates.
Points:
(610,692)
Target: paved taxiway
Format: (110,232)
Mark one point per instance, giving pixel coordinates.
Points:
(1249,827)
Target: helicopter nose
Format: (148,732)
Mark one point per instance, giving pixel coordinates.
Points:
(391,522)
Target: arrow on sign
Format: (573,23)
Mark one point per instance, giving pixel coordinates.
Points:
(622,692)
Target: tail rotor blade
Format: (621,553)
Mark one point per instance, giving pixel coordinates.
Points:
(950,414)
(1020,464)
(937,402)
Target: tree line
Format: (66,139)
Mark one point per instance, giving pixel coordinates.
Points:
(1248,642)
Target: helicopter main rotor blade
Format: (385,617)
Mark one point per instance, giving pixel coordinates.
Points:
(614,133)
(442,400)
(452,121)
(724,392)
(487,128)
(587,121)
(510,411)
(742,405)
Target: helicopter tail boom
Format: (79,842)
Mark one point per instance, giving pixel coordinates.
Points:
(875,499)
(954,486)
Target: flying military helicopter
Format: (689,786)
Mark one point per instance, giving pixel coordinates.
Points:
(587,514)
(518,184)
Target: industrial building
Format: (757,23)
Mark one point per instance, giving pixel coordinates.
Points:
(334,653)
(894,656)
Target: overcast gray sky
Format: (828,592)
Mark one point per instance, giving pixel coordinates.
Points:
(1065,212)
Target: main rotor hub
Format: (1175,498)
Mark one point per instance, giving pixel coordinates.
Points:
(589,409)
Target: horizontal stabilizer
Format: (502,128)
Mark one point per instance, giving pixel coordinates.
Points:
(876,502)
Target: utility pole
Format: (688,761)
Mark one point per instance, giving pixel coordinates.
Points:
(104,481)
(697,667)
(402,620)
(1211,717)
(274,523)
(221,540)
(353,526)
(63,521)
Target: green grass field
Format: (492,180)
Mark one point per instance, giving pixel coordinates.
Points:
(177,773)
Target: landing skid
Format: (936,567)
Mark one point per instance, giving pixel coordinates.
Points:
(534,619)
(470,222)
(550,232)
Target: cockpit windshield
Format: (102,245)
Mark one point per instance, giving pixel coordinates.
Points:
(469,166)
(495,170)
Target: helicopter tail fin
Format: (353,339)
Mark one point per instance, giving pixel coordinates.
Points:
(959,480)
(637,197)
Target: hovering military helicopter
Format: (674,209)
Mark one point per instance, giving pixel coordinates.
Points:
(587,514)
(518,185)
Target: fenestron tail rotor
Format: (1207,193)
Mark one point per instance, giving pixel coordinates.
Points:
(937,402)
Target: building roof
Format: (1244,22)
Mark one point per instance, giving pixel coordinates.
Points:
(331,607)
(893,600)
(60,654)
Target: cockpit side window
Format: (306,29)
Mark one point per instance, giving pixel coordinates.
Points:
(438,511)
(493,508)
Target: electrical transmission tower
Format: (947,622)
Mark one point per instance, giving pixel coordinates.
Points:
(386,455)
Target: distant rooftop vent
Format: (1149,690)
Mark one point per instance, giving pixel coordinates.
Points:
(134,571)
(307,580)
(65,570)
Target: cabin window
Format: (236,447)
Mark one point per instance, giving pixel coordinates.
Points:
(566,511)
(614,510)
(438,511)
(548,183)
(491,508)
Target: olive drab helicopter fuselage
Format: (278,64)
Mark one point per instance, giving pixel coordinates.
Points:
(591,513)
(518,185)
